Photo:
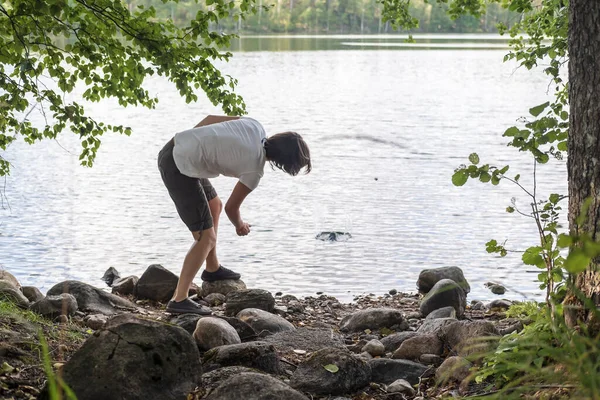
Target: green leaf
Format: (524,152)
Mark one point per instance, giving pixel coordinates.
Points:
(537,110)
(543,158)
(532,256)
(510,210)
(562,146)
(331,368)
(474,158)
(577,261)
(485,177)
(554,198)
(459,178)
(512,131)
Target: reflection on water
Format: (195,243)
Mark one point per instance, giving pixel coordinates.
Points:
(386,130)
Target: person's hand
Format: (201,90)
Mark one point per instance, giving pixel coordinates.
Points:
(243,229)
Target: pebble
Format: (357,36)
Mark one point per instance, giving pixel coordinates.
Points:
(393,292)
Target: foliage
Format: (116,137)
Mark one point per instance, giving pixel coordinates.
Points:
(50,48)
(56,386)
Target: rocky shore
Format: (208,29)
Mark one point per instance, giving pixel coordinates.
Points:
(120,344)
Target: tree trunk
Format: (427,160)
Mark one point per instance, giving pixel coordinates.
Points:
(583,165)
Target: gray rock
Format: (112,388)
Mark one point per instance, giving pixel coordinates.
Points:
(215,299)
(333,236)
(96,321)
(91,299)
(497,289)
(374,318)
(156,283)
(445,312)
(53,306)
(366,357)
(212,379)
(312,377)
(249,298)
(429,277)
(214,332)
(11,293)
(374,347)
(477,305)
(125,286)
(387,371)
(110,276)
(32,293)
(393,292)
(444,293)
(186,321)
(258,355)
(393,341)
(244,330)
(499,305)
(10,278)
(264,323)
(223,287)
(470,338)
(431,359)
(434,325)
(401,386)
(309,339)
(135,359)
(294,306)
(254,386)
(453,369)
(415,347)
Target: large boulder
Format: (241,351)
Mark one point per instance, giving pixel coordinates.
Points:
(374,318)
(212,379)
(249,298)
(214,332)
(125,286)
(254,386)
(434,325)
(133,359)
(309,339)
(415,347)
(263,322)
(315,374)
(156,283)
(10,278)
(222,287)
(384,370)
(444,293)
(11,293)
(393,341)
(258,355)
(53,306)
(429,277)
(32,293)
(470,339)
(92,300)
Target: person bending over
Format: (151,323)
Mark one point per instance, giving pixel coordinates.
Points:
(230,146)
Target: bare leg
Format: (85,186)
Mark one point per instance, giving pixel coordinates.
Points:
(193,261)
(216,206)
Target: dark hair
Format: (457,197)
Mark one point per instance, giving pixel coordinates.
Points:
(288,152)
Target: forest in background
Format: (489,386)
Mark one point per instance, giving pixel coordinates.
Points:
(333,17)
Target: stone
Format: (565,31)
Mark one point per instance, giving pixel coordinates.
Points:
(393,292)
(311,376)
(92,300)
(254,386)
(444,293)
(429,277)
(264,323)
(10,278)
(387,371)
(223,287)
(434,325)
(499,305)
(366,357)
(401,386)
(431,359)
(135,359)
(249,298)
(477,305)
(214,332)
(186,321)
(125,286)
(156,283)
(374,318)
(308,339)
(333,237)
(11,293)
(294,306)
(497,289)
(110,276)
(393,341)
(444,312)
(470,338)
(53,306)
(215,299)
(212,379)
(244,330)
(96,321)
(415,347)
(258,355)
(374,347)
(453,369)
(32,293)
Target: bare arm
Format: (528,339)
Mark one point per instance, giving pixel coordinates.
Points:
(214,119)
(232,208)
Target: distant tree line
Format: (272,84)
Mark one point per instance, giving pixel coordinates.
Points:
(333,17)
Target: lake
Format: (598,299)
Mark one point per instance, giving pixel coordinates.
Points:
(387,124)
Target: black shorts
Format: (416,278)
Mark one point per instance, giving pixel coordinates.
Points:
(190,195)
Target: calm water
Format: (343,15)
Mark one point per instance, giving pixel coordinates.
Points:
(386,126)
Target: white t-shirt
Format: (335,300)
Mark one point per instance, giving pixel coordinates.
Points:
(232,148)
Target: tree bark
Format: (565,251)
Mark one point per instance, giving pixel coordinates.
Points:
(583,165)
